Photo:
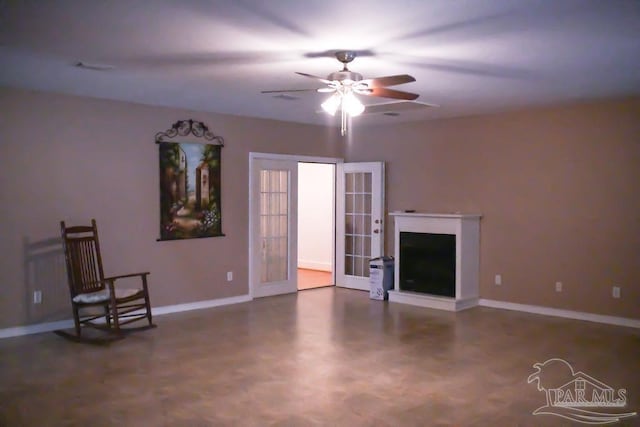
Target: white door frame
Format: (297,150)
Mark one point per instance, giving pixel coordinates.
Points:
(253,156)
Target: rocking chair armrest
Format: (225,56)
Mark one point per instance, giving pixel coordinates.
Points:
(143,276)
(114,278)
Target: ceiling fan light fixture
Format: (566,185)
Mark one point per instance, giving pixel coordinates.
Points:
(352,105)
(332,103)
(346,84)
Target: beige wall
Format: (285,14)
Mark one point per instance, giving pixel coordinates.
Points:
(558,189)
(70,158)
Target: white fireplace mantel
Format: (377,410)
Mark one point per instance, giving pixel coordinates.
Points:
(466,229)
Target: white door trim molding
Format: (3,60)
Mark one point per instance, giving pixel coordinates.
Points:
(295,157)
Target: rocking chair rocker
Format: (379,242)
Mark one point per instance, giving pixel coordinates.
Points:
(91,291)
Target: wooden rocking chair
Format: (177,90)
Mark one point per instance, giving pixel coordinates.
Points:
(95,299)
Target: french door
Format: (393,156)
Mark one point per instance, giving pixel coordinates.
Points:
(273,234)
(359,222)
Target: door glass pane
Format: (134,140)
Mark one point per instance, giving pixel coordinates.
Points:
(349,203)
(348,265)
(274,218)
(264,177)
(274,181)
(367,225)
(348,226)
(357,246)
(367,183)
(359,179)
(359,208)
(358,270)
(348,182)
(357,223)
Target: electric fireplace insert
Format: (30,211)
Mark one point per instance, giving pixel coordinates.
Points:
(428,263)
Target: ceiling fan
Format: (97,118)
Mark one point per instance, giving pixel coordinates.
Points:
(346,84)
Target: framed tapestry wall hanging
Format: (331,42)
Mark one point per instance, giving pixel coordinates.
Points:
(190,181)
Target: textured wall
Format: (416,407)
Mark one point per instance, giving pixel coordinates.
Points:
(73,159)
(558,189)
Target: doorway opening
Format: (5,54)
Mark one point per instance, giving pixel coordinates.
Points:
(355,209)
(316,225)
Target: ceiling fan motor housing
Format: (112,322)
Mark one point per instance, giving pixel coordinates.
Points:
(344,75)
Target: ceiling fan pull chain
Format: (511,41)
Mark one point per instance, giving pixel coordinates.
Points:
(343,129)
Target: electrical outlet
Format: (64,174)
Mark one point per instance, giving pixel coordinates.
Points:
(498,280)
(229,276)
(37,297)
(558,286)
(615,292)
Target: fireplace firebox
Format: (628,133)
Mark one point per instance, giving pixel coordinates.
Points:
(428,263)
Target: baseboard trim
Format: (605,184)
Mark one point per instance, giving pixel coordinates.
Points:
(157,311)
(35,329)
(198,305)
(556,312)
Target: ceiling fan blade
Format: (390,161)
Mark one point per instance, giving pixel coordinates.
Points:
(389,93)
(388,80)
(314,77)
(293,90)
(396,107)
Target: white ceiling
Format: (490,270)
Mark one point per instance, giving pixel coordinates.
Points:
(468,56)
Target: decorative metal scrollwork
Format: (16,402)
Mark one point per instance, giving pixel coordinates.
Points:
(186,127)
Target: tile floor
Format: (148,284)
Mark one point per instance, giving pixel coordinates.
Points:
(323,357)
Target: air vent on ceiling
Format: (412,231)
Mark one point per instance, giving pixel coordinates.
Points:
(390,114)
(93,66)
